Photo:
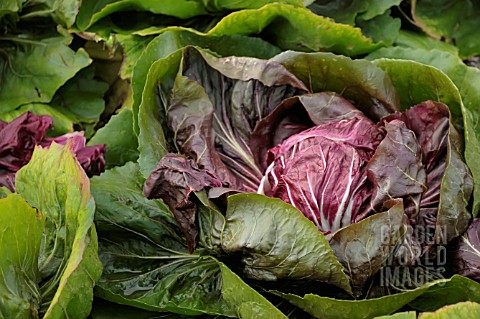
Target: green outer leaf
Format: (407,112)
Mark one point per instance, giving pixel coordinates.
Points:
(467,80)
(464,310)
(35,71)
(276,242)
(246,301)
(64,12)
(324,307)
(429,297)
(459,26)
(121,141)
(152,145)
(92,11)
(177,38)
(10,7)
(416,83)
(55,183)
(299,29)
(364,247)
(400,315)
(61,123)
(20,239)
(383,28)
(447,292)
(357,80)
(146,261)
(82,97)
(414,40)
(348,11)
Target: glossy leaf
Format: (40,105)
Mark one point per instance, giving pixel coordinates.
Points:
(278,239)
(146,261)
(364,248)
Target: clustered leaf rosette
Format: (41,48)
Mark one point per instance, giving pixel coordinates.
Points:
(19,138)
(374,178)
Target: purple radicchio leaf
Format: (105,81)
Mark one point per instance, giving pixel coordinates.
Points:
(173,180)
(322,170)
(420,153)
(19,138)
(215,106)
(466,260)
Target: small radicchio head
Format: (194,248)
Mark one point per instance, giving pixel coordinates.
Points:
(19,138)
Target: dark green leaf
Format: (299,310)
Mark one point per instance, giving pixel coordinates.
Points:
(460,26)
(120,139)
(278,242)
(364,247)
(82,97)
(146,261)
(447,292)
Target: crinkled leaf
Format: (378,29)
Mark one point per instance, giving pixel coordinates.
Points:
(278,242)
(466,79)
(214,107)
(466,260)
(364,248)
(456,184)
(120,139)
(321,171)
(146,261)
(174,180)
(176,38)
(35,69)
(299,29)
(20,240)
(464,310)
(55,184)
(459,26)
(10,7)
